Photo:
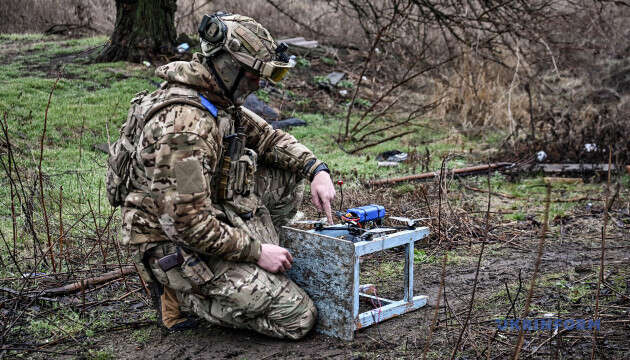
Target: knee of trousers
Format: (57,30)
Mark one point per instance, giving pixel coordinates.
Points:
(280,190)
(300,321)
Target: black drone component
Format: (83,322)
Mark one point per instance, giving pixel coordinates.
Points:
(281,54)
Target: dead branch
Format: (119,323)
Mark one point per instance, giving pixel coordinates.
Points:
(77,286)
(429,175)
(20,294)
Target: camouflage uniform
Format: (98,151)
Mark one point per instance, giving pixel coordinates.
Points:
(173,203)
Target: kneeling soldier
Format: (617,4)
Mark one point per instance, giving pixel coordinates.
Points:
(205,185)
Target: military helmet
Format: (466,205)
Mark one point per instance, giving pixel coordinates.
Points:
(248,43)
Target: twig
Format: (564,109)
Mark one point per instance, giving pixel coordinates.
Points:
(507,196)
(512,85)
(532,285)
(437,307)
(374,143)
(474,289)
(36,350)
(309,28)
(546,341)
(379,34)
(61,226)
(600,278)
(39,172)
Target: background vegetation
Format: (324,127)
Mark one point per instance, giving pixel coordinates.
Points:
(465,83)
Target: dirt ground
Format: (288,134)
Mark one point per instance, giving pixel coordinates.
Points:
(571,256)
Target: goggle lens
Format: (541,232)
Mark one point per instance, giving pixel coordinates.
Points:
(278,73)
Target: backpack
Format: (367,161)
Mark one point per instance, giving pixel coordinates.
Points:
(123,150)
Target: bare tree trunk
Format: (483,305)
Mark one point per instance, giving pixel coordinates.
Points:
(144,29)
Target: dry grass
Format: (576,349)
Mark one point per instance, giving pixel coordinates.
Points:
(476,94)
(566,67)
(35,16)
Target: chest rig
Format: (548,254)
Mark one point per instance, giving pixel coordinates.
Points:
(237,165)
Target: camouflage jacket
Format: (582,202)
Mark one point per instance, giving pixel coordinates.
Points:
(176,161)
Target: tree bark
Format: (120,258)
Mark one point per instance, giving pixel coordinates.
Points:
(144,30)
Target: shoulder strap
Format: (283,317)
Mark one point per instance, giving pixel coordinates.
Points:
(172,101)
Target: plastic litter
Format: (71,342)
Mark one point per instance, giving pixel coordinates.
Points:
(541,156)
(392,155)
(33,274)
(343,92)
(590,147)
(146,63)
(182,48)
(335,77)
(388,163)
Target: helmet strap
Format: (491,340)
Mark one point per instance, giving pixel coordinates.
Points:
(237,81)
(229,93)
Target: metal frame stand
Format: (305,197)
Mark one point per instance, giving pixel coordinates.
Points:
(392,308)
(328,269)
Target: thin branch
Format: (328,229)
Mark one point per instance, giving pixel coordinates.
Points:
(532,285)
(39,173)
(600,278)
(301,23)
(437,306)
(474,289)
(380,141)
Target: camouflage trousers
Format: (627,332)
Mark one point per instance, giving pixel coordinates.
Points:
(243,295)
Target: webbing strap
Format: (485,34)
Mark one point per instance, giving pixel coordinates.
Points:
(177,100)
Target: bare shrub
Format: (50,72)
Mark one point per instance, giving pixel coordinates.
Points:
(291,18)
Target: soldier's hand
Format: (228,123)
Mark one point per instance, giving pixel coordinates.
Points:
(274,258)
(323,193)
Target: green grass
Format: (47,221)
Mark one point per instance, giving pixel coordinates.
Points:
(142,336)
(320,136)
(421,257)
(87,100)
(101,354)
(22,37)
(69,322)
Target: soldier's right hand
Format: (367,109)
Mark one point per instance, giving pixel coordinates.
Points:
(274,258)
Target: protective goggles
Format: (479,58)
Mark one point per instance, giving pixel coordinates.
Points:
(271,70)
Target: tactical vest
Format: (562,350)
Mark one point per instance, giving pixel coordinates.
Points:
(119,181)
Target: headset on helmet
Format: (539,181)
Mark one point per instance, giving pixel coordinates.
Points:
(212,29)
(219,36)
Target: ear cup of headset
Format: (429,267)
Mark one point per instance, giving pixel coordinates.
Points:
(212,29)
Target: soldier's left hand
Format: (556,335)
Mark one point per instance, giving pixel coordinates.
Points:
(323,193)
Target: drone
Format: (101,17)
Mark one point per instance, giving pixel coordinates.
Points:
(361,223)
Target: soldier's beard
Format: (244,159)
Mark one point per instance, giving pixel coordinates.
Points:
(246,86)
(240,96)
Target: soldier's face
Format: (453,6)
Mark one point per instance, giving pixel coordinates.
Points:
(249,83)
